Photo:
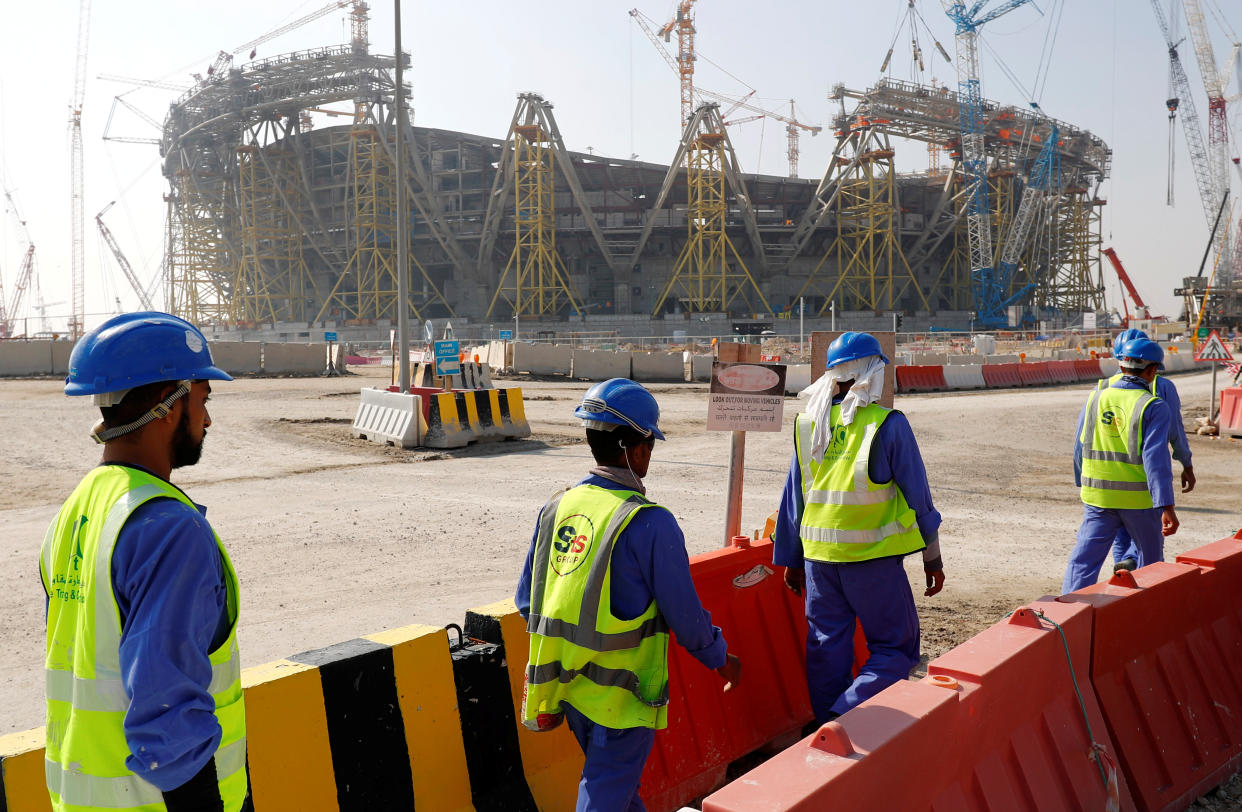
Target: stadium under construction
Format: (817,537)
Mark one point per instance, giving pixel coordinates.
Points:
(275,218)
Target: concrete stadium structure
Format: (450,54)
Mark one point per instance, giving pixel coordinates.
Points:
(274,220)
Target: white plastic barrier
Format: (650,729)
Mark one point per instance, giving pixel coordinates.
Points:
(542,359)
(964,376)
(600,365)
(658,366)
(390,418)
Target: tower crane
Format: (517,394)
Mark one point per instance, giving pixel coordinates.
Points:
(9,311)
(793,127)
(1214,82)
(1181,100)
(121,260)
(989,296)
(78,272)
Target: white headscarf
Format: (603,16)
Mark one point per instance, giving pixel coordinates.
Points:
(868,376)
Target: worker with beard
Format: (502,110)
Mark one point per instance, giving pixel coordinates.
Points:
(143,676)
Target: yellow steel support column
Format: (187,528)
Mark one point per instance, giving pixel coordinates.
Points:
(872,271)
(534,282)
(201,268)
(709,273)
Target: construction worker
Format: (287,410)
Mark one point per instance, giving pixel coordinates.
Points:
(1125,551)
(856,502)
(606,579)
(1121,463)
(144,699)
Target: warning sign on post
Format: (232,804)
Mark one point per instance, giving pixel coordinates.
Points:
(1213,349)
(746,397)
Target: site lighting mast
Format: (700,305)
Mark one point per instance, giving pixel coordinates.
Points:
(988,296)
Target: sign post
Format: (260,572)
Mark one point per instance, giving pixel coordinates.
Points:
(1213,349)
(743,397)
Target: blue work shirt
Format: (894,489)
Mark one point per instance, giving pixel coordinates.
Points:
(168,579)
(1156,462)
(649,561)
(894,457)
(1166,391)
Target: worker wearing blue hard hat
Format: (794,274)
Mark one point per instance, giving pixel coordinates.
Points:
(856,502)
(1125,552)
(143,676)
(1122,466)
(606,579)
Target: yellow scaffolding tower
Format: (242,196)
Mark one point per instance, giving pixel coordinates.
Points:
(201,268)
(872,271)
(273,281)
(1074,277)
(534,281)
(709,273)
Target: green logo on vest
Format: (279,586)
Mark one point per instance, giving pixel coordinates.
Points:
(836,445)
(76,560)
(1114,421)
(572,545)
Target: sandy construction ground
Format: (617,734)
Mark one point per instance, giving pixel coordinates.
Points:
(334,538)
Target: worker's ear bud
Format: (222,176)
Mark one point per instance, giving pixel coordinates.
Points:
(621,443)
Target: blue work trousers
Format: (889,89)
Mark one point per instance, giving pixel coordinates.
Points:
(1097,534)
(875,593)
(1124,546)
(614,763)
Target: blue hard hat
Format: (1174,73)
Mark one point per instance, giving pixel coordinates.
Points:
(1123,337)
(134,349)
(621,402)
(851,346)
(1142,349)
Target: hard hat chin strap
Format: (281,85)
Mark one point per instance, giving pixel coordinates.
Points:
(102,435)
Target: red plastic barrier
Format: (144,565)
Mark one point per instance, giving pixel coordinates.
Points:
(765,625)
(920,378)
(1231,411)
(1167,668)
(1001,376)
(1062,372)
(996,725)
(1035,373)
(1088,370)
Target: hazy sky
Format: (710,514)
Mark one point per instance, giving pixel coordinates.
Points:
(612,92)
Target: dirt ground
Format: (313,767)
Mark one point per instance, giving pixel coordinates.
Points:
(334,537)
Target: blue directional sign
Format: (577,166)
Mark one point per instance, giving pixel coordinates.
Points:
(329,336)
(446,353)
(506,335)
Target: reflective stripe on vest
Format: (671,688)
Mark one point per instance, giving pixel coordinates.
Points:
(613,671)
(86,752)
(126,791)
(864,521)
(1112,474)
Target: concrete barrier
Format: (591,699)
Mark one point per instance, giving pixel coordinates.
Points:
(1002,359)
(600,365)
(18,358)
(238,357)
(293,359)
(1108,367)
(542,359)
(61,350)
(701,367)
(797,378)
(658,366)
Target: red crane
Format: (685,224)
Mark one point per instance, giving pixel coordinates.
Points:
(1140,309)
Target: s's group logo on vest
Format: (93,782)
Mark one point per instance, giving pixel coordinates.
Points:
(1114,422)
(836,443)
(571,544)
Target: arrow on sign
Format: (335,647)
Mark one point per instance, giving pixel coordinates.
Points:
(1213,349)
(447,366)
